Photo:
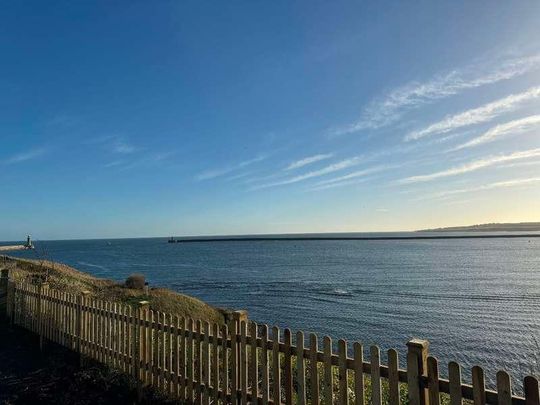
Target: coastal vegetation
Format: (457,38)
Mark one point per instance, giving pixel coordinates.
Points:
(136,281)
(65,278)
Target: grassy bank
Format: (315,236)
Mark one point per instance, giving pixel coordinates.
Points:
(65,278)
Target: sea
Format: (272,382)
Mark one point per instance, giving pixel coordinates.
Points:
(477,301)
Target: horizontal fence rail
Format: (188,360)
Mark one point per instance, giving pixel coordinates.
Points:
(244,362)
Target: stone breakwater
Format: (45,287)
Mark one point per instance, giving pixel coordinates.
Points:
(13,247)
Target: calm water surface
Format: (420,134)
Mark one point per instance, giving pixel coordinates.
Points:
(476,300)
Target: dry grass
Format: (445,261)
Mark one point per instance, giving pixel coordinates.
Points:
(65,278)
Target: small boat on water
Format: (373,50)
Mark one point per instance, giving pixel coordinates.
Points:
(171,240)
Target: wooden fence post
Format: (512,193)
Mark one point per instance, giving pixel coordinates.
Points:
(138,354)
(417,355)
(40,321)
(4,282)
(81,325)
(532,391)
(238,318)
(12,297)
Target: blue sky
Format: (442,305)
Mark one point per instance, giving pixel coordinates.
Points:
(137,118)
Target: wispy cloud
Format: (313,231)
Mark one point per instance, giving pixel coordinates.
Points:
(521,164)
(500,184)
(249,162)
(344,183)
(449,137)
(344,164)
(391,107)
(114,163)
(308,160)
(473,166)
(213,173)
(160,156)
(122,147)
(24,156)
(354,175)
(114,144)
(478,115)
(508,128)
(239,176)
(144,160)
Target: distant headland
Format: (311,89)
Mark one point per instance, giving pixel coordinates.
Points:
(492,227)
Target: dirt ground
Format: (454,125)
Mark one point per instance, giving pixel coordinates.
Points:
(28,376)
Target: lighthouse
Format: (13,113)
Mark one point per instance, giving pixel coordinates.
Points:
(29,244)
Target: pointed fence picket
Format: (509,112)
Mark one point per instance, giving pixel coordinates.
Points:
(196,362)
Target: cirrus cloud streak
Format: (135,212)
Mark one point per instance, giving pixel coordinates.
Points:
(473,166)
(478,115)
(500,184)
(308,160)
(502,130)
(344,164)
(390,108)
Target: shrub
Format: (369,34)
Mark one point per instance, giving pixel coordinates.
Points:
(135,281)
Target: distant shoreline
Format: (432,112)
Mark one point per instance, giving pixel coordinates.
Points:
(494,227)
(492,230)
(345,238)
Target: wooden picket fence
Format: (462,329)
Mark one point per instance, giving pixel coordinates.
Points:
(243,362)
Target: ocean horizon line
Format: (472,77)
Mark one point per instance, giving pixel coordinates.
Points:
(373,235)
